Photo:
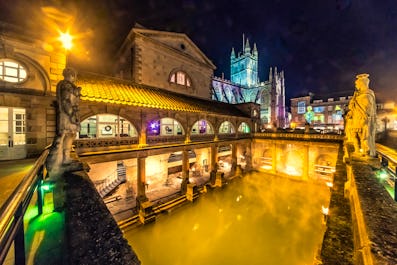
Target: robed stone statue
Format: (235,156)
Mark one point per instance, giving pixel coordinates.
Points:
(360,123)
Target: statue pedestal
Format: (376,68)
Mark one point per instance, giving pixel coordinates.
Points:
(307,128)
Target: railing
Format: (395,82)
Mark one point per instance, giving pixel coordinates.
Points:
(14,209)
(105,142)
(159,139)
(388,158)
(300,136)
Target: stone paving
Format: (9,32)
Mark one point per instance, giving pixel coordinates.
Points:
(11,174)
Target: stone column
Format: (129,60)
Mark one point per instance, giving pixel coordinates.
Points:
(234,159)
(305,174)
(187,135)
(248,158)
(274,157)
(142,135)
(185,171)
(214,158)
(141,179)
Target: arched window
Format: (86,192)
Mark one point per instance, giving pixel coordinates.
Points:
(180,78)
(244,128)
(165,126)
(12,71)
(202,127)
(106,125)
(226,127)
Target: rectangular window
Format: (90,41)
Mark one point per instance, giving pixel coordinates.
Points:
(318,109)
(301,107)
(19,127)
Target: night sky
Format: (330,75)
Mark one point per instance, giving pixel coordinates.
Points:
(320,45)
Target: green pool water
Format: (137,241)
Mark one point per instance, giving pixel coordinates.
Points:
(259,219)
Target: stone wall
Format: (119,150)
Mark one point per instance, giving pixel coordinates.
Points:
(374,214)
(92,234)
(337,245)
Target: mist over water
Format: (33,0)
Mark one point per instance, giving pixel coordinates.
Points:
(259,219)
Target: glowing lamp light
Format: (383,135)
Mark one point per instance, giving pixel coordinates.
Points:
(330,184)
(66,40)
(47,186)
(325,210)
(382,175)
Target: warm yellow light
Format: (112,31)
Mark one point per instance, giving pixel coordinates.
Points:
(325,210)
(66,40)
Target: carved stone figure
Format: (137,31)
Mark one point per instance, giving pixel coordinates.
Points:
(68,97)
(68,124)
(360,126)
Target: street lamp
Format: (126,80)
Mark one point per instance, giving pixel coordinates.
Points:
(66,40)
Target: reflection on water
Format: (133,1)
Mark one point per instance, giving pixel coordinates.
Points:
(259,219)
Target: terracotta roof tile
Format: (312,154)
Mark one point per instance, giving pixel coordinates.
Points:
(117,91)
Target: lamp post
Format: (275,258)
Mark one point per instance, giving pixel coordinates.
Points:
(66,40)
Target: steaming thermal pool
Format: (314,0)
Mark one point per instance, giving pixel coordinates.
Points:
(259,219)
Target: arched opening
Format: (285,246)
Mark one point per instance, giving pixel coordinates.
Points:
(324,168)
(226,128)
(164,127)
(225,158)
(106,126)
(181,78)
(244,128)
(175,163)
(202,127)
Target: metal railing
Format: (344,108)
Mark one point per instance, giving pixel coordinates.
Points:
(388,159)
(14,209)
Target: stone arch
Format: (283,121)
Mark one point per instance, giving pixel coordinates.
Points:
(226,127)
(291,158)
(244,128)
(165,126)
(104,125)
(202,126)
(323,160)
(186,81)
(37,77)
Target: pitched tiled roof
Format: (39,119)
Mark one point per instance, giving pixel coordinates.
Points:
(117,91)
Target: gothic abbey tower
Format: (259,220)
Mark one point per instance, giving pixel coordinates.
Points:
(244,67)
(244,86)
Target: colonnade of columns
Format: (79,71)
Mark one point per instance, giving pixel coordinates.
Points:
(142,199)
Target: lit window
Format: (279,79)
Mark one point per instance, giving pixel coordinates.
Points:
(180,78)
(244,128)
(11,71)
(226,127)
(301,107)
(106,125)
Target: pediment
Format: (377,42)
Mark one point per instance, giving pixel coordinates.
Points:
(177,41)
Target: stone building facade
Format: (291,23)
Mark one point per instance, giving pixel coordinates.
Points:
(167,100)
(328,113)
(29,72)
(167,60)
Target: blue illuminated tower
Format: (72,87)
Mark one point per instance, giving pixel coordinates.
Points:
(244,66)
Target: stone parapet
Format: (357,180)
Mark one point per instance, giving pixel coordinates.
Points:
(93,236)
(374,214)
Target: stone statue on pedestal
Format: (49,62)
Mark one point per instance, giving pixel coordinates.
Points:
(68,124)
(360,123)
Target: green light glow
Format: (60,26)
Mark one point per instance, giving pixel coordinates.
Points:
(47,186)
(382,175)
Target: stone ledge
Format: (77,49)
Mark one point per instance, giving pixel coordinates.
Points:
(92,234)
(379,212)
